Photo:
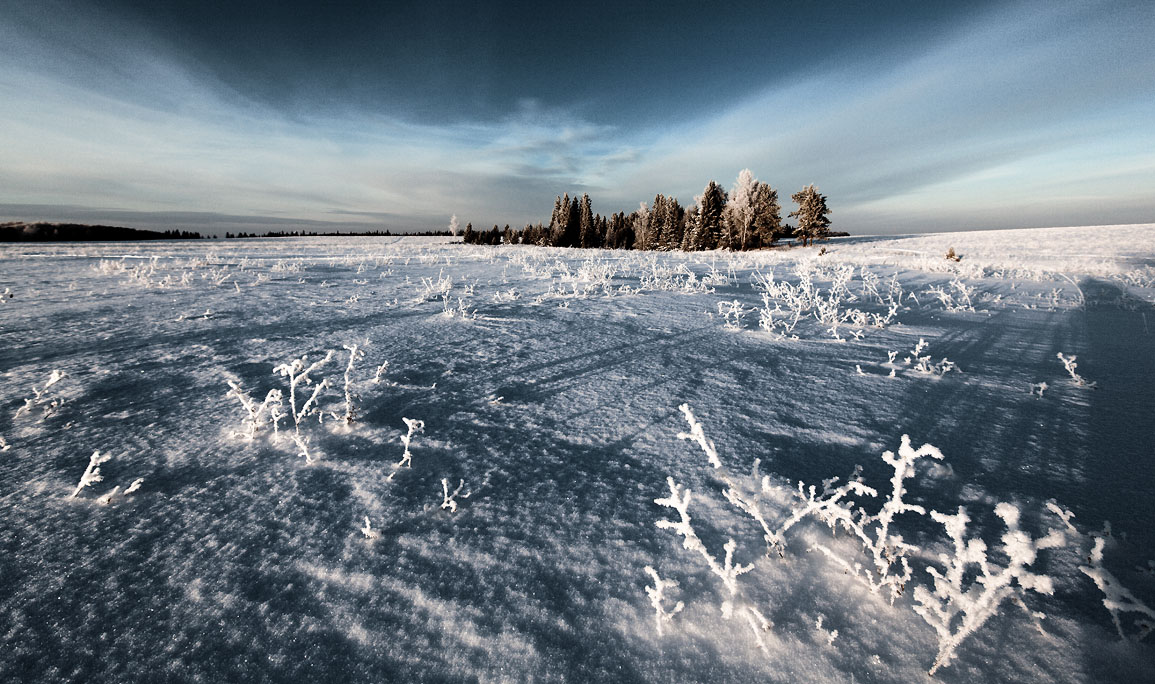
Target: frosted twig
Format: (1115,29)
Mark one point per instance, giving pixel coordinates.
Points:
(368,530)
(448,500)
(696,434)
(380,372)
(657,595)
(134,486)
(107,496)
(1070,365)
(415,426)
(253,420)
(92,472)
(964,599)
(355,354)
(1117,599)
(679,500)
(38,397)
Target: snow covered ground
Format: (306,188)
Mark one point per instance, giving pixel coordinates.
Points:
(549,382)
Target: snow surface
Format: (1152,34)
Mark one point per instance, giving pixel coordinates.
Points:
(549,381)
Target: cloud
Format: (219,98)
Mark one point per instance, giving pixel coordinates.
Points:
(1019,90)
(1011,107)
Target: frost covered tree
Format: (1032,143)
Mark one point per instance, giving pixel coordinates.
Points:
(752,216)
(453,225)
(707,230)
(587,236)
(767,219)
(641,227)
(811,213)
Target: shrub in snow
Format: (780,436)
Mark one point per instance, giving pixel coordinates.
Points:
(38,399)
(415,426)
(380,372)
(256,411)
(449,500)
(1117,599)
(1070,365)
(726,571)
(971,587)
(887,551)
(731,313)
(92,472)
(368,530)
(355,354)
(829,635)
(297,372)
(657,596)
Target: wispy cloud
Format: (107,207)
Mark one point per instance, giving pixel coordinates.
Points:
(1035,98)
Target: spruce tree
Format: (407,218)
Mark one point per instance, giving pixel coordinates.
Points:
(586,236)
(812,222)
(710,207)
(767,226)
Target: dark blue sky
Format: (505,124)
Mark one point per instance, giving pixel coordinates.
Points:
(908,115)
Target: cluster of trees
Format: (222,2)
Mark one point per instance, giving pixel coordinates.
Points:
(748,217)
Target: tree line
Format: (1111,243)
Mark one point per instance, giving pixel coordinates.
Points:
(366,233)
(748,217)
(42,231)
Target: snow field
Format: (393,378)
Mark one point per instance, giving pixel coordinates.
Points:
(549,382)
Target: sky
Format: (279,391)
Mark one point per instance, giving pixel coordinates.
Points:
(909,116)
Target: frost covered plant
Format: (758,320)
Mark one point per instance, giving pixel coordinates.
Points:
(92,472)
(355,355)
(1117,599)
(38,398)
(132,488)
(1070,365)
(415,426)
(731,313)
(887,550)
(380,372)
(255,411)
(735,605)
(829,635)
(448,499)
(297,372)
(964,598)
(368,530)
(679,500)
(1039,387)
(4,445)
(657,596)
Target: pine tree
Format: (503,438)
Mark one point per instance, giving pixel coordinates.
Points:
(586,234)
(711,205)
(669,235)
(468,238)
(812,222)
(693,229)
(559,225)
(767,224)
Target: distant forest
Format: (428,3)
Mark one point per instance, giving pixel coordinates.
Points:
(76,232)
(371,233)
(748,217)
